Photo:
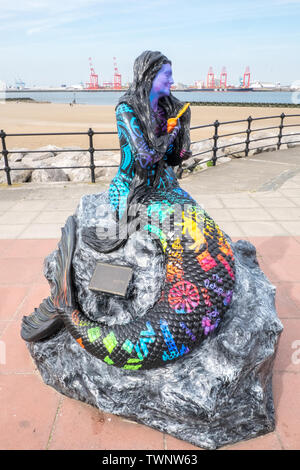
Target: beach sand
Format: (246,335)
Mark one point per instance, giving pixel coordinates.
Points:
(20,117)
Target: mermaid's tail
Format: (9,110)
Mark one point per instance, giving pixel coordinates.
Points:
(42,323)
(46,320)
(197,291)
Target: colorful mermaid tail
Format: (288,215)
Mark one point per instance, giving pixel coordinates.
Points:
(197,291)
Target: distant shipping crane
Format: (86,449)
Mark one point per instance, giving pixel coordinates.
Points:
(93,83)
(210,83)
(117,76)
(223,78)
(246,79)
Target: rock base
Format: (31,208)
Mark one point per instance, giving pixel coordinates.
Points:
(217,395)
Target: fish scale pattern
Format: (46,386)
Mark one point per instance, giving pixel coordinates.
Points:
(197,290)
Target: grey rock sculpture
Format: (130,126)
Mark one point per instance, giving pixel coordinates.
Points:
(219,394)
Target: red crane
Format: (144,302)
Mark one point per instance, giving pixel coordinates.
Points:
(210,78)
(246,80)
(117,76)
(223,78)
(93,83)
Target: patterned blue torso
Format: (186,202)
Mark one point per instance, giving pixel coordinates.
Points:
(135,148)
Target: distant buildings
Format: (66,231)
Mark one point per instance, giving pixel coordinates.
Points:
(265,85)
(295,85)
(77,86)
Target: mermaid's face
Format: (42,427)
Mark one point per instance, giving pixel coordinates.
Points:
(163,80)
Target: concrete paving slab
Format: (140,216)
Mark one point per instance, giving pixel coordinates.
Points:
(270,202)
(11,231)
(42,230)
(47,217)
(248,174)
(290,335)
(239,202)
(292,291)
(27,417)
(265,195)
(5,204)
(5,245)
(48,191)
(286,156)
(28,206)
(20,271)
(250,214)
(262,228)
(171,443)
(233,229)
(292,227)
(99,430)
(26,248)
(62,205)
(291,185)
(209,202)
(13,217)
(10,303)
(219,215)
(287,407)
(295,200)
(286,302)
(281,213)
(270,441)
(289,192)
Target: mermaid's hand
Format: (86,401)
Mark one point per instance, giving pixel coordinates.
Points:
(174,132)
(185,154)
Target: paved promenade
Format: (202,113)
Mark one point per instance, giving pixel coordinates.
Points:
(256,199)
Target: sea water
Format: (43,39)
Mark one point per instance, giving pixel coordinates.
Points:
(111,97)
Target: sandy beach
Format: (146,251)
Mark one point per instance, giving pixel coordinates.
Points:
(52,117)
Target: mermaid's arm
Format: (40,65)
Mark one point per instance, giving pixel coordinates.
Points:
(174,157)
(176,154)
(128,127)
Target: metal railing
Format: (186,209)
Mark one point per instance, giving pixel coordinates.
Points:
(248,131)
(214,149)
(90,133)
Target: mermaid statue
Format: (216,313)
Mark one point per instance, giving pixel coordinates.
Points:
(144,198)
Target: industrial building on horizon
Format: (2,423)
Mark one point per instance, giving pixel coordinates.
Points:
(212,83)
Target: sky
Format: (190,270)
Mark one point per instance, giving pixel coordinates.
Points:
(49,42)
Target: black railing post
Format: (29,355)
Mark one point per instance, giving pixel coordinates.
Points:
(281,126)
(248,131)
(215,147)
(5,153)
(91,150)
(179,171)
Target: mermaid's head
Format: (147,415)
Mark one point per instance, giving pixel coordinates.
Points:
(145,70)
(146,66)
